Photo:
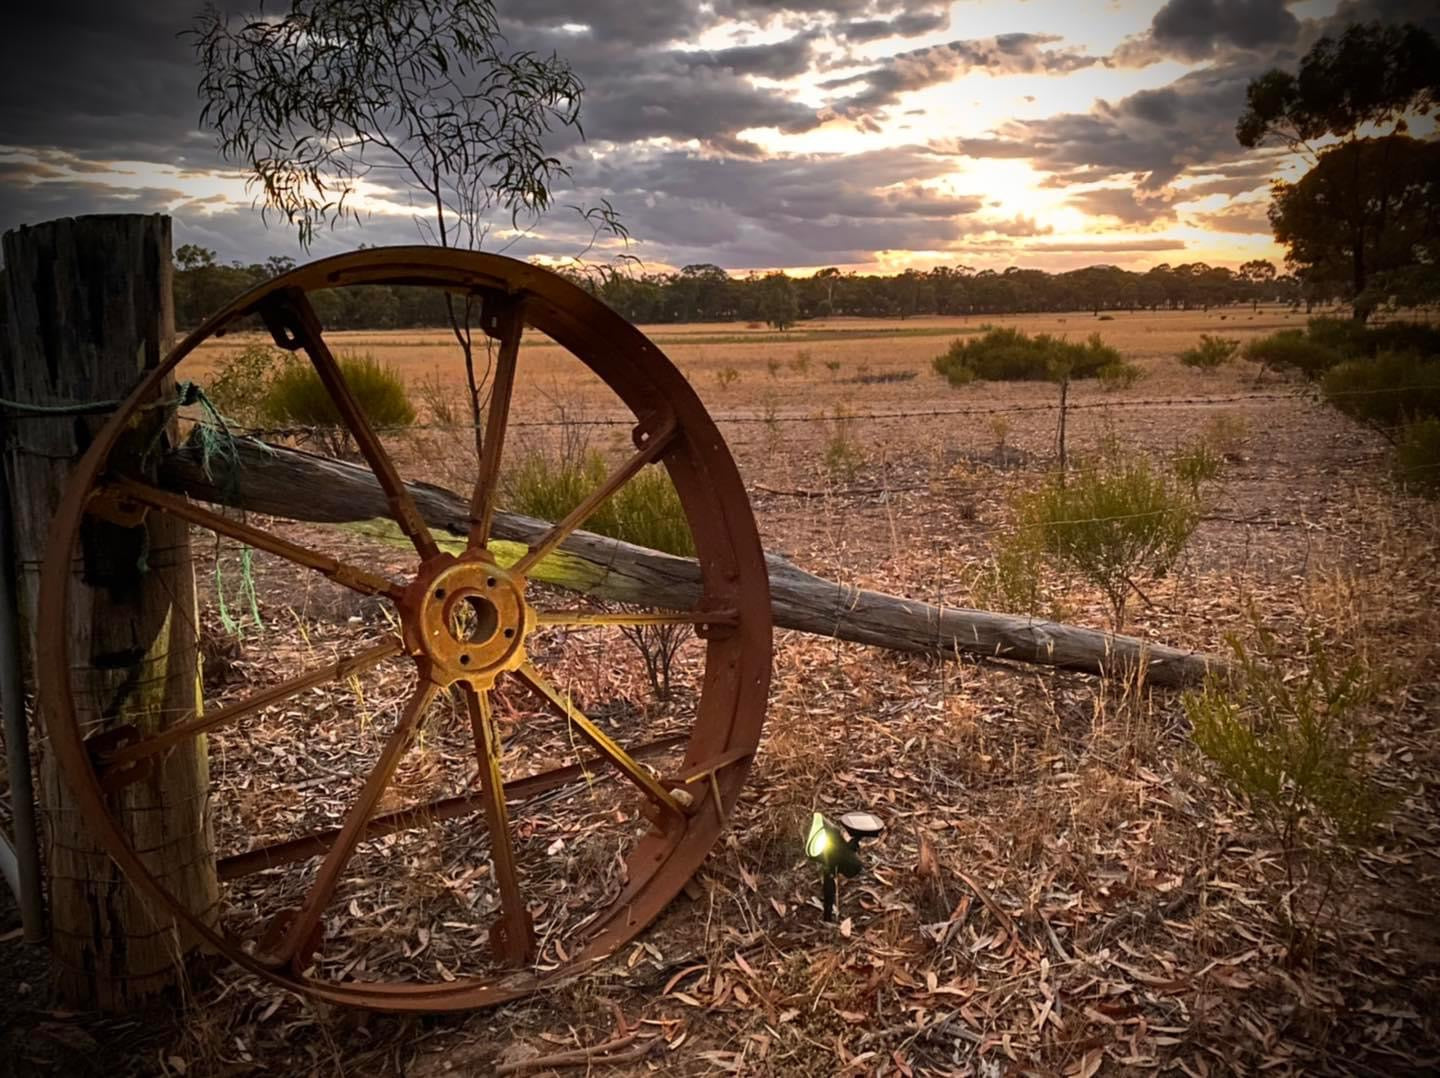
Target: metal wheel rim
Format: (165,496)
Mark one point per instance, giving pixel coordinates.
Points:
(737,668)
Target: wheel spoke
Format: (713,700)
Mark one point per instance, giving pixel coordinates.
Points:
(608,747)
(718,618)
(502,387)
(300,933)
(350,576)
(531,786)
(293,323)
(654,445)
(200,724)
(513,937)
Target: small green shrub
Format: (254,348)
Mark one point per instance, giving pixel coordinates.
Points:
(646,511)
(1293,747)
(1417,457)
(1113,522)
(1385,392)
(1289,349)
(1197,464)
(1008,355)
(444,403)
(801,363)
(1225,432)
(242,382)
(1211,353)
(833,366)
(1118,375)
(773,365)
(1351,339)
(298,398)
(727,377)
(843,456)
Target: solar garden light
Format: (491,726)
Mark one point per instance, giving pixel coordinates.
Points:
(837,849)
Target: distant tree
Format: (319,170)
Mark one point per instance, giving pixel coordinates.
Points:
(778,304)
(1258,273)
(1366,205)
(320,96)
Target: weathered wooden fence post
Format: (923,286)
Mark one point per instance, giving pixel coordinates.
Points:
(90,309)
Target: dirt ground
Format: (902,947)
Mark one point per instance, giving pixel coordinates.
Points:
(1062,886)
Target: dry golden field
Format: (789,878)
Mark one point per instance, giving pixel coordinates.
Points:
(1063,888)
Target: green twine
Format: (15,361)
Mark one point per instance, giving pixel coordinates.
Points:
(228,622)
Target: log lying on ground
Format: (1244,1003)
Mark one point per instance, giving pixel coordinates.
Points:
(289,483)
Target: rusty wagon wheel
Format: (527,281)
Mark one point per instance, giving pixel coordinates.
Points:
(468,627)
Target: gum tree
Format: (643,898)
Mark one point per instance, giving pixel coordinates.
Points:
(323,102)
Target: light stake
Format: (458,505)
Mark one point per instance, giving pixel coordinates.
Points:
(837,849)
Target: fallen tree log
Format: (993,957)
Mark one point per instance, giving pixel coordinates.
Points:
(290,483)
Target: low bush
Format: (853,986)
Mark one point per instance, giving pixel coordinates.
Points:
(1353,339)
(1198,463)
(843,456)
(646,511)
(1003,354)
(1118,375)
(1115,521)
(296,397)
(241,383)
(1387,391)
(1290,349)
(1211,353)
(1417,457)
(1293,746)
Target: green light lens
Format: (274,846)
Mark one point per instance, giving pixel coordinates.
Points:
(818,840)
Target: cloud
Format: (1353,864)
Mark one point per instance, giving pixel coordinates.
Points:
(1106,246)
(1156,134)
(779,60)
(1246,218)
(1234,178)
(1006,54)
(1193,30)
(1124,204)
(908,24)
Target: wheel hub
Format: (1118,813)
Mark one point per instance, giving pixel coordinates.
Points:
(468,618)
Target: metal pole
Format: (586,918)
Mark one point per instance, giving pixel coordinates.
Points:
(29,892)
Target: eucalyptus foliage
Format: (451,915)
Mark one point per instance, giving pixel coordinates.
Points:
(322,96)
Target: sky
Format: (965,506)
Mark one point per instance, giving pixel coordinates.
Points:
(872,135)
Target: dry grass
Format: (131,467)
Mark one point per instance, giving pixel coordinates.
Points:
(1061,889)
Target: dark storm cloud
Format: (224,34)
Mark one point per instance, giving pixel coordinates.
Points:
(105,81)
(802,210)
(780,60)
(1156,134)
(1123,204)
(23,201)
(1006,54)
(1194,30)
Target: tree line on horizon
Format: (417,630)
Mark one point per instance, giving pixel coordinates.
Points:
(707,293)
